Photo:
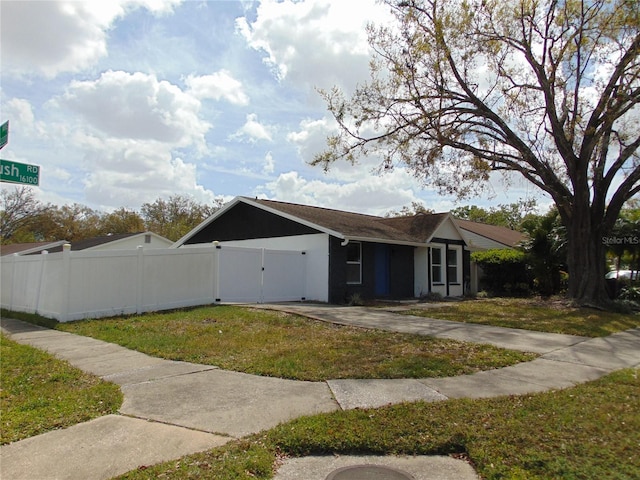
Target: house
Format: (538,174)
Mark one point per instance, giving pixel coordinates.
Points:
(481,236)
(122,241)
(29,248)
(349,253)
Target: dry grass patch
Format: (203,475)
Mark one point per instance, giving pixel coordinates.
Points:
(289,346)
(551,315)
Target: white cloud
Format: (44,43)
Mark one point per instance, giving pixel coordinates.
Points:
(20,112)
(311,138)
(375,195)
(315,42)
(219,85)
(129,172)
(51,37)
(269,164)
(137,106)
(253,130)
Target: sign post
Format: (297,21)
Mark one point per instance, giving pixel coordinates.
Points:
(16,172)
(4,134)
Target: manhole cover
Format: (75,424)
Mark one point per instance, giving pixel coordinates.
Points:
(369,472)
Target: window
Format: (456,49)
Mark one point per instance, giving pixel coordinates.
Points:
(452,266)
(354,263)
(436,265)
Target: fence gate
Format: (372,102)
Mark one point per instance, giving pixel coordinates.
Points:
(259,275)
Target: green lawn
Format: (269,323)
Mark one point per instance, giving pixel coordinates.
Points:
(591,431)
(288,346)
(553,316)
(39,393)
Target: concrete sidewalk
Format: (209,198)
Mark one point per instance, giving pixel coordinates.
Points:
(175,408)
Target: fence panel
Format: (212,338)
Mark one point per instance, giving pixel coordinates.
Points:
(240,275)
(20,290)
(102,285)
(75,285)
(53,289)
(284,276)
(177,278)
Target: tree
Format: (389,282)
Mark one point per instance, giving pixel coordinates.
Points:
(406,211)
(121,221)
(509,216)
(20,209)
(546,251)
(175,217)
(70,222)
(544,89)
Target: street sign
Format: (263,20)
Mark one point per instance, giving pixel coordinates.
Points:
(4,134)
(15,172)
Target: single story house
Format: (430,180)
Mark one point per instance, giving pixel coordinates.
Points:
(349,253)
(120,241)
(29,248)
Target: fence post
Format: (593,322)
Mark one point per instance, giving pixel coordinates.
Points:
(140,279)
(40,279)
(216,272)
(14,260)
(261,297)
(66,279)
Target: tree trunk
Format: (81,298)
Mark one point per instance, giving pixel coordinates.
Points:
(586,261)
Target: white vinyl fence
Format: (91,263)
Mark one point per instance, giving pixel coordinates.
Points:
(72,285)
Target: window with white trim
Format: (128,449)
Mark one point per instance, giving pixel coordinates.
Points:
(354,263)
(452,266)
(436,265)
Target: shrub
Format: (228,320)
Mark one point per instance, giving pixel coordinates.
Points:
(505,271)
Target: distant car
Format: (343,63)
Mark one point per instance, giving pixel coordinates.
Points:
(623,275)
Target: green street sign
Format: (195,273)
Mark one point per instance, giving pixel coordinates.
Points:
(4,134)
(15,172)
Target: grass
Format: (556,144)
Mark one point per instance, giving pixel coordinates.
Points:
(533,314)
(32,318)
(41,393)
(589,431)
(288,346)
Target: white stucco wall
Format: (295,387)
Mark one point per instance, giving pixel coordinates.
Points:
(421,273)
(420,268)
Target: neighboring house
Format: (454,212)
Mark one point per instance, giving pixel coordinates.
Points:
(123,241)
(29,248)
(481,236)
(349,253)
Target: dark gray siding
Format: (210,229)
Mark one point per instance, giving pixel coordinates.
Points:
(244,222)
(400,268)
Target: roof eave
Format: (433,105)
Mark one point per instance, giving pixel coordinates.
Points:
(294,218)
(384,240)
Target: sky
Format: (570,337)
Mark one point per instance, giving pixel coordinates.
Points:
(122,102)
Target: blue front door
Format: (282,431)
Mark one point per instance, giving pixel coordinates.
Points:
(382,270)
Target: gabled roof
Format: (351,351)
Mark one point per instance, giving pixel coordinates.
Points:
(505,236)
(95,241)
(29,248)
(86,244)
(414,230)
